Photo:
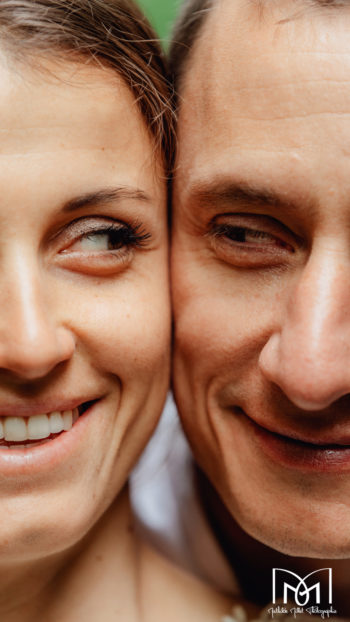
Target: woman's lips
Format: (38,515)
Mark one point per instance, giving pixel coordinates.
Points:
(301,454)
(28,408)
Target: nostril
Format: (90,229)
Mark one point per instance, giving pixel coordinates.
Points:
(269,359)
(310,381)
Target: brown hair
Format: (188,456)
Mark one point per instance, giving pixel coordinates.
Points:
(185,34)
(111,32)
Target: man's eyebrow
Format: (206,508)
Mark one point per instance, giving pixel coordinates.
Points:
(104,196)
(225,192)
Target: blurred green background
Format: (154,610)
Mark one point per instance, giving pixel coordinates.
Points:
(161,14)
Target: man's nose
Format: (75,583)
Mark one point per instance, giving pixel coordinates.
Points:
(32,341)
(308,354)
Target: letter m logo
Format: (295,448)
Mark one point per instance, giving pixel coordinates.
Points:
(288,582)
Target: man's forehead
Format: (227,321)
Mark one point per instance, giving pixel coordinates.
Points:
(240,44)
(270,105)
(249,70)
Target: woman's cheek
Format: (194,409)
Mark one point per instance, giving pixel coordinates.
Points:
(127,327)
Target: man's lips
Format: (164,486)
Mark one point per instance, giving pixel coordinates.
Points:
(320,441)
(329,452)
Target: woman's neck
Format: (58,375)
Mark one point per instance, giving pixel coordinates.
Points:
(101,573)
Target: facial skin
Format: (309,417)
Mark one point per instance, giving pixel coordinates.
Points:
(262,316)
(82,318)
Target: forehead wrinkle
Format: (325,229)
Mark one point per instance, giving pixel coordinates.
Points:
(220,77)
(300,9)
(228,33)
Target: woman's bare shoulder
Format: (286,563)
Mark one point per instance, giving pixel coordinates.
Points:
(171,594)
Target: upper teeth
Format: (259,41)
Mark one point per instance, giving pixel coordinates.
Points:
(37,426)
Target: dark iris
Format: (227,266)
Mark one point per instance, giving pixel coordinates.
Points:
(120,236)
(237,234)
(117,238)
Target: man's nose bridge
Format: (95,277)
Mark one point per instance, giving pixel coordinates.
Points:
(318,307)
(308,354)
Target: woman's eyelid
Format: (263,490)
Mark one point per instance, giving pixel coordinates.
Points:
(88,224)
(101,246)
(74,230)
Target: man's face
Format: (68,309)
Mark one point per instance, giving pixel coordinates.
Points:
(261,271)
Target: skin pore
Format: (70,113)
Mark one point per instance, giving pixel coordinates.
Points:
(85,319)
(261,267)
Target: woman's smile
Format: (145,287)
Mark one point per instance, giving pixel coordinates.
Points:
(16,430)
(19,431)
(49,439)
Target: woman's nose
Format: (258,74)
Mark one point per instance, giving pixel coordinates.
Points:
(32,341)
(308,355)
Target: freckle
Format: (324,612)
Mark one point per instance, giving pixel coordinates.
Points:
(99,558)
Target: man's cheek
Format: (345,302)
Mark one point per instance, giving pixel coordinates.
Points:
(212,333)
(199,333)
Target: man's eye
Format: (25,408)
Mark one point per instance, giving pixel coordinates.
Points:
(246,235)
(252,240)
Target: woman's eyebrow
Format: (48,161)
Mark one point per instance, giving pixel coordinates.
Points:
(105,195)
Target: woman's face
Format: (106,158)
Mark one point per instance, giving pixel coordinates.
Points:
(84,315)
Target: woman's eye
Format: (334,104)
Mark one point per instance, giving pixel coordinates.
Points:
(105,240)
(251,240)
(94,246)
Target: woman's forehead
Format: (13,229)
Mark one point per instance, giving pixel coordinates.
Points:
(76,102)
(74,123)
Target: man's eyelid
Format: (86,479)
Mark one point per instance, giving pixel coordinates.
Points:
(254,217)
(258,222)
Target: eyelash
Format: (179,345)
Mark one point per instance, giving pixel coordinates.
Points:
(79,249)
(226,230)
(131,235)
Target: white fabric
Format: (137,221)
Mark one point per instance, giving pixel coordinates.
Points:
(167,508)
